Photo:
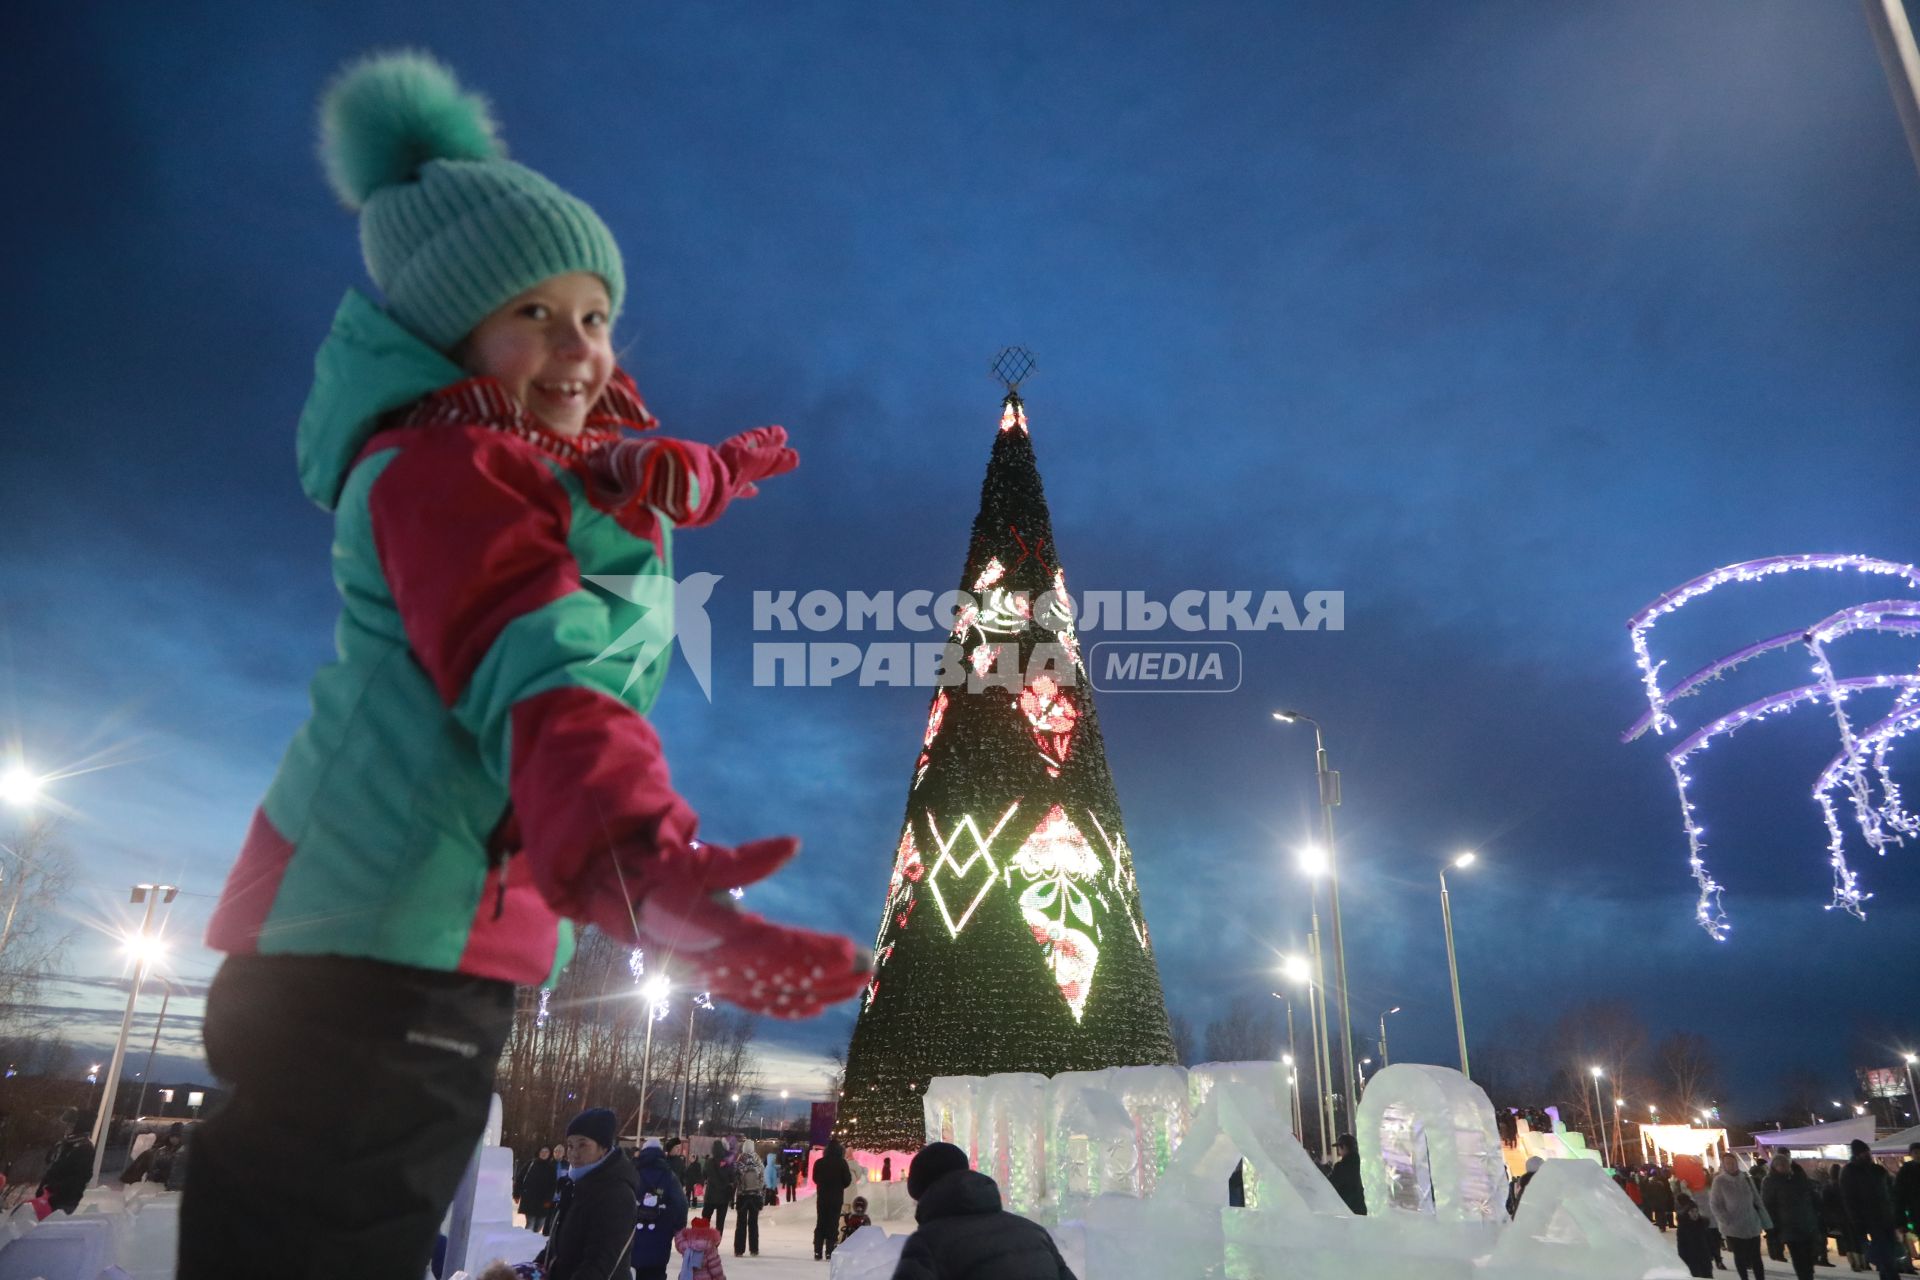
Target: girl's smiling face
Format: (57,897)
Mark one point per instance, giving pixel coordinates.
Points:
(551,348)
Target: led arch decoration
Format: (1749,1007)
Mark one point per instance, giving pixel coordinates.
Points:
(1858,778)
(1011,938)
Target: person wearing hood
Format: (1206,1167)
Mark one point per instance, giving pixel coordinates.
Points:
(476,774)
(831,1178)
(593,1229)
(660,1214)
(1694,1237)
(1793,1202)
(962,1233)
(1345,1173)
(1867,1191)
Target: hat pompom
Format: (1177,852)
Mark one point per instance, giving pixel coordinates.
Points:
(388,114)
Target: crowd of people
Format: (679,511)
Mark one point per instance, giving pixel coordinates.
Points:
(594,1198)
(1777,1211)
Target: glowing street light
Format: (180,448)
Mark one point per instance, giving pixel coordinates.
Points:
(1462,861)
(1299,971)
(145,948)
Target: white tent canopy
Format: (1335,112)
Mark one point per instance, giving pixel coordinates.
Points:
(1661,1142)
(1896,1144)
(1814,1136)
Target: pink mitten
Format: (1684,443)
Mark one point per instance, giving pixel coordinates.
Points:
(685,913)
(754,455)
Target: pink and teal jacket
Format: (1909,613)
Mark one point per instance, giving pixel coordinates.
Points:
(483,688)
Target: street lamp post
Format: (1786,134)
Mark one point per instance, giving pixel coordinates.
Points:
(146,1076)
(1313,863)
(1330,798)
(654,991)
(1599,1112)
(1453,965)
(1912,1098)
(1293,1072)
(143,945)
(695,1003)
(1299,971)
(1385,1061)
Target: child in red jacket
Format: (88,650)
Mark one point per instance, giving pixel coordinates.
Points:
(478,772)
(699,1246)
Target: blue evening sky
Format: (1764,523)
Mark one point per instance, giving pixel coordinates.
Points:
(1499,317)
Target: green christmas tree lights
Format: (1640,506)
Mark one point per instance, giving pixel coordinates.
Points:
(1012,938)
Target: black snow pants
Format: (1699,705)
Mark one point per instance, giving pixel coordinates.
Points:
(357,1091)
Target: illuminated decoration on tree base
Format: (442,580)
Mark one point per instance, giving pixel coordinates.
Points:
(1032,954)
(1861,768)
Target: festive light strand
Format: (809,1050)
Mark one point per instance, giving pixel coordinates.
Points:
(1881,822)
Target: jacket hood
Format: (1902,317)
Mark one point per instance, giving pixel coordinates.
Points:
(964,1191)
(368,365)
(651,1158)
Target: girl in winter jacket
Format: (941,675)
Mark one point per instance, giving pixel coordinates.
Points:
(478,771)
(699,1246)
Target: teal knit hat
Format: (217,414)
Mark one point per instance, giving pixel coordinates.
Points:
(450,228)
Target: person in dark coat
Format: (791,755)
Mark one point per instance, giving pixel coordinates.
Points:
(720,1186)
(790,1175)
(660,1213)
(1833,1217)
(1793,1202)
(1518,1188)
(536,1188)
(1694,1236)
(69,1169)
(963,1233)
(1906,1190)
(593,1228)
(1867,1190)
(1345,1174)
(831,1178)
(1657,1199)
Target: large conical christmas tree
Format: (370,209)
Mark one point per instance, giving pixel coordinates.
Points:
(1012,938)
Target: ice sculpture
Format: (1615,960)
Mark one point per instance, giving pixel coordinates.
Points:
(1431,1164)
(1158,1100)
(1428,1144)
(1091,1144)
(479,1225)
(1010,1124)
(867,1254)
(1268,1077)
(1573,1223)
(949,1106)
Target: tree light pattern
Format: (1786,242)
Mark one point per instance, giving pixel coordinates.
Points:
(1862,766)
(1011,938)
